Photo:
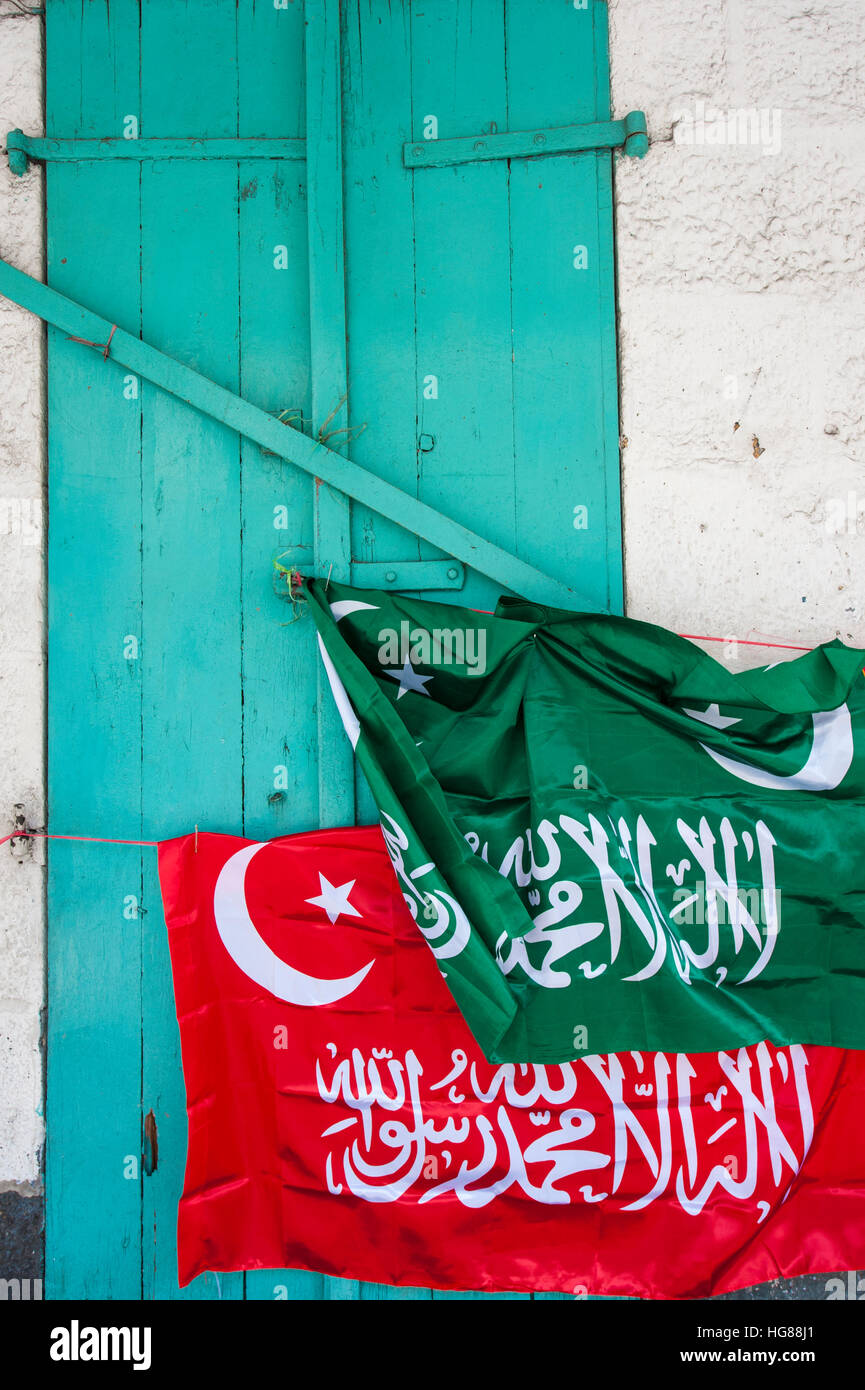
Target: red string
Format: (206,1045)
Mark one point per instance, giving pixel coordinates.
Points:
(91,839)
(106,840)
(781,646)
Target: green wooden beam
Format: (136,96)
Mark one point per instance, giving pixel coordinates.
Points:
(21,149)
(630,135)
(313,457)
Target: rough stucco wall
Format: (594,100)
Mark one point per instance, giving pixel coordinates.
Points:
(740,290)
(21,621)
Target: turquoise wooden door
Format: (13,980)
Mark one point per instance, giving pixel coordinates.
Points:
(443,317)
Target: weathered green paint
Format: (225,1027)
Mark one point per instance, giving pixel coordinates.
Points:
(327,321)
(93,1115)
(279,681)
(192,762)
(165,520)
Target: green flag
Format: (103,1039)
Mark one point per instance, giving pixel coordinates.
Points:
(610,841)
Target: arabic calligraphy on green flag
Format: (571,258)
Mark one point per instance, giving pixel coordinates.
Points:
(610,840)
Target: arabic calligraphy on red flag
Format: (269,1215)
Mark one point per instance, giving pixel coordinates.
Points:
(342,1118)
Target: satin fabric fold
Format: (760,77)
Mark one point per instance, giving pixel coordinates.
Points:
(604,834)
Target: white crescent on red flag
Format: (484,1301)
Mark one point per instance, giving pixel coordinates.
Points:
(342,1118)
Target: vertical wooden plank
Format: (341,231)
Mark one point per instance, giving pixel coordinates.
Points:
(332,539)
(610,424)
(279,663)
(380,270)
(191,502)
(462,250)
(332,515)
(563,319)
(280,666)
(93,1182)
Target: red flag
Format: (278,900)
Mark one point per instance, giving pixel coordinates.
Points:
(342,1119)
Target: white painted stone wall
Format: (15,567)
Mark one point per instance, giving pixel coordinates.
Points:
(22,634)
(741,300)
(741,278)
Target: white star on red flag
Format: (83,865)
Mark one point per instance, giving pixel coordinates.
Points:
(333,898)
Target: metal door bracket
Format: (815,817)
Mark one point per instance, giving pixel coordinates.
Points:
(21,149)
(408,576)
(629,135)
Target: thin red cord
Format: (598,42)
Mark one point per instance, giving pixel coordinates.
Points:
(745,642)
(104,840)
(92,839)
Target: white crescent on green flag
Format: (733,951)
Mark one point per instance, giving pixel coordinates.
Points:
(609,840)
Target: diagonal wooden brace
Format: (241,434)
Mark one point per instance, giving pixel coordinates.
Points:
(314,458)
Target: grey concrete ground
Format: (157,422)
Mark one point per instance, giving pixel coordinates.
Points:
(20,1236)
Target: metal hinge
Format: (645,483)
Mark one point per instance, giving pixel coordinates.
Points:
(629,135)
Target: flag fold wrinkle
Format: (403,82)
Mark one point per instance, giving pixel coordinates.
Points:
(609,840)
